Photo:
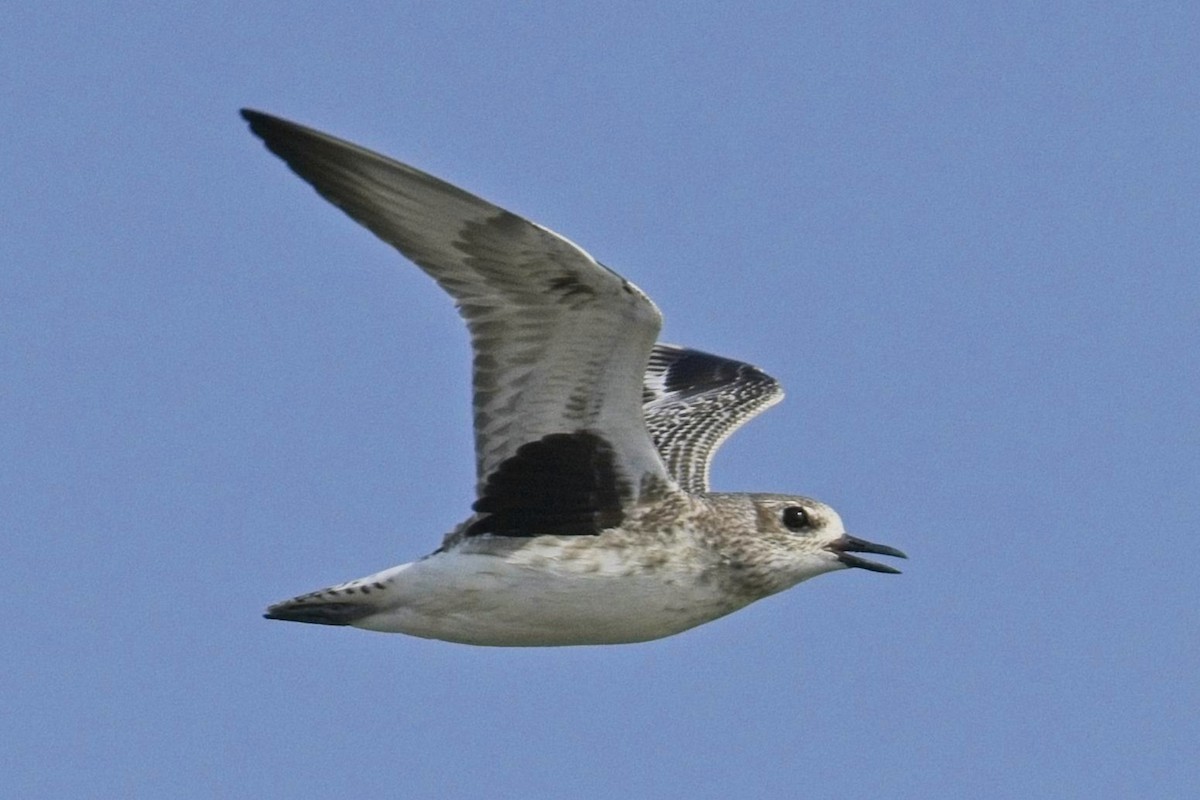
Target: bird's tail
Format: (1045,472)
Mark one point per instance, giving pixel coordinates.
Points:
(343,604)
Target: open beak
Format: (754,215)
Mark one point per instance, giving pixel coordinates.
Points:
(847,544)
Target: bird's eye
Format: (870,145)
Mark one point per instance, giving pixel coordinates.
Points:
(795,518)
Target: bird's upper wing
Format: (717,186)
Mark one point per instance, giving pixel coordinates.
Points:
(560,342)
(694,401)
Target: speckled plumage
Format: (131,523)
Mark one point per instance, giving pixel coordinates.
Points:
(593,522)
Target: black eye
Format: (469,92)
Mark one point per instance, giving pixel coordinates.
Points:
(795,518)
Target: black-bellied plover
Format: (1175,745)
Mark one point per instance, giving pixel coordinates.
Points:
(594,522)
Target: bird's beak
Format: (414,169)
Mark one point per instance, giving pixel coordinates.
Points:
(847,544)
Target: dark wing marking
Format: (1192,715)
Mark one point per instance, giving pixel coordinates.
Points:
(563,484)
(693,401)
(560,342)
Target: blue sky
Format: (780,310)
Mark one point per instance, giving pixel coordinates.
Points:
(963,236)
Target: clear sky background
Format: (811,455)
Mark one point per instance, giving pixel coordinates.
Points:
(964,236)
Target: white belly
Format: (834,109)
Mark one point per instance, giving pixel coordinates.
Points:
(536,597)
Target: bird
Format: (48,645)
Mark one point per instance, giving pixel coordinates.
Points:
(593,521)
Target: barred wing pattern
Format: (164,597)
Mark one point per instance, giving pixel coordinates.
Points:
(693,401)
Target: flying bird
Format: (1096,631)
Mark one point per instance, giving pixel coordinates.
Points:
(593,521)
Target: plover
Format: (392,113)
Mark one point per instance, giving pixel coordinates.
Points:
(594,522)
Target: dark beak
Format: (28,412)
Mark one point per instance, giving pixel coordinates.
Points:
(848,544)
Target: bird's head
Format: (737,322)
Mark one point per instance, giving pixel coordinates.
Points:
(798,538)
